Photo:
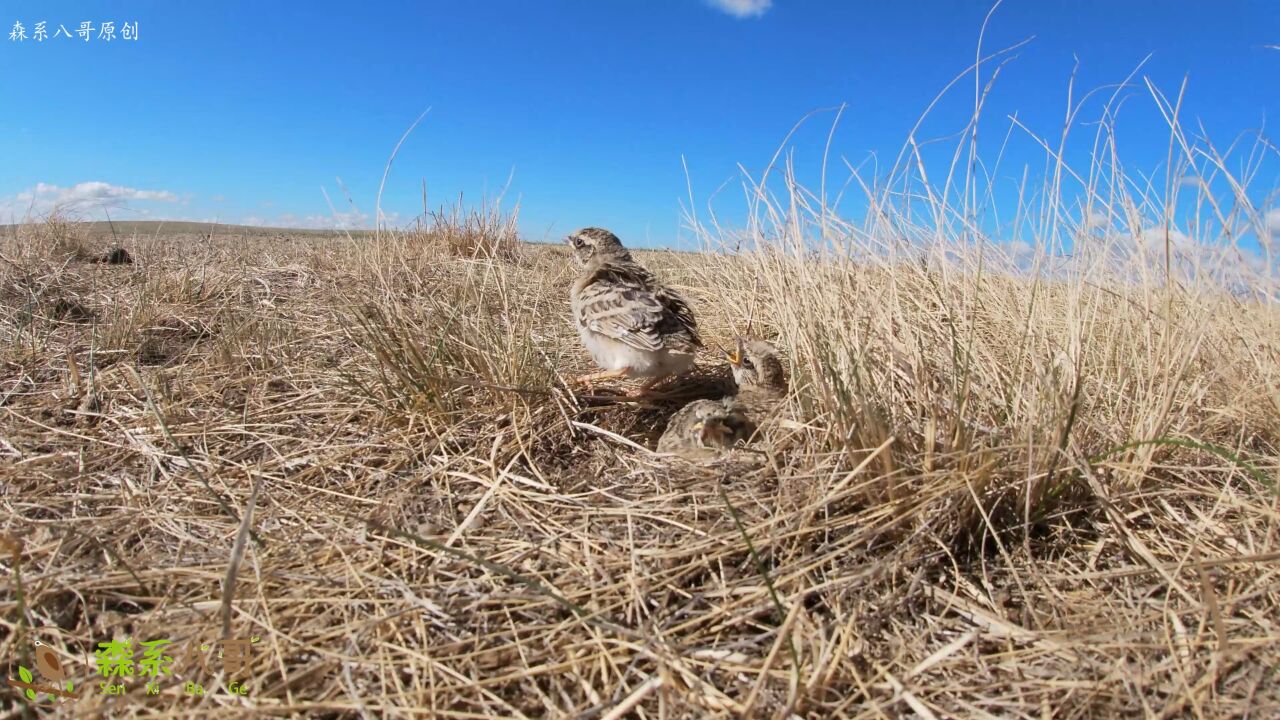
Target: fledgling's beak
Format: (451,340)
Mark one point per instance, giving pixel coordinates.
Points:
(730,357)
(735,358)
(700,430)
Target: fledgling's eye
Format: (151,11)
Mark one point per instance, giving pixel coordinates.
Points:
(577,242)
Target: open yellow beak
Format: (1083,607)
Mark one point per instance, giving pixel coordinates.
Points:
(700,431)
(732,357)
(735,357)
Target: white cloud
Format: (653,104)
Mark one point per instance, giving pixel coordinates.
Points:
(1095,219)
(1273,222)
(1223,260)
(46,198)
(742,8)
(338,220)
(1020,248)
(354,220)
(1153,238)
(84,201)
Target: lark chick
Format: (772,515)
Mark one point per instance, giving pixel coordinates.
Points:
(760,376)
(703,427)
(632,324)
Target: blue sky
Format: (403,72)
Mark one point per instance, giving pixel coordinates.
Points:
(244,111)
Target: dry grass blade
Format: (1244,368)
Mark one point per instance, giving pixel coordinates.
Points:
(534,585)
(1221,452)
(222,501)
(237,554)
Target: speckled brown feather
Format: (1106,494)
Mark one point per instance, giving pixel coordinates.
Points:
(621,300)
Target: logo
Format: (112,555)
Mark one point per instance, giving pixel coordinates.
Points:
(117,663)
(57,683)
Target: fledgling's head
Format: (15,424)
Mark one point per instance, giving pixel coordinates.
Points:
(591,242)
(757,365)
(704,428)
(721,427)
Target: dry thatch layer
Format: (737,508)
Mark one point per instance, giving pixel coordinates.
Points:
(951,521)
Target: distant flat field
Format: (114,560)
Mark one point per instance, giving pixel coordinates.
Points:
(125,228)
(122,230)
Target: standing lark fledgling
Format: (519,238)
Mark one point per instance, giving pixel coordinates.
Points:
(632,324)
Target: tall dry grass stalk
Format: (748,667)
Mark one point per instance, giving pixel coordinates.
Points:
(1018,476)
(1022,363)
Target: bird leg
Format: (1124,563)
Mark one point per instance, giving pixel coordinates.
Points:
(590,379)
(643,389)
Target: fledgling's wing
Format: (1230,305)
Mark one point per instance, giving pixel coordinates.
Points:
(625,302)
